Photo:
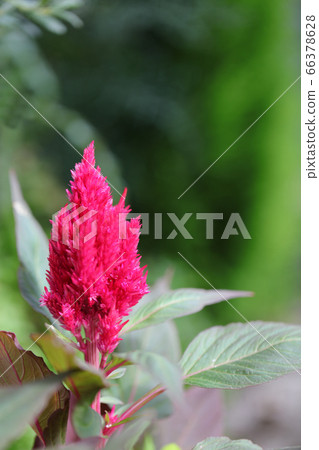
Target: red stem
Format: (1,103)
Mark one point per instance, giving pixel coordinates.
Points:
(71,435)
(103,361)
(114,368)
(38,427)
(141,402)
(92,356)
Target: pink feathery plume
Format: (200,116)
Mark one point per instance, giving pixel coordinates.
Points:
(94,273)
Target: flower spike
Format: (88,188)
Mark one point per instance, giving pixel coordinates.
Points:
(94,273)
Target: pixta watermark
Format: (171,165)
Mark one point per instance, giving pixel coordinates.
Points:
(74,216)
(233,225)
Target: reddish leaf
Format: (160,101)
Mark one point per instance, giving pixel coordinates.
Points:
(17,367)
(55,432)
(86,381)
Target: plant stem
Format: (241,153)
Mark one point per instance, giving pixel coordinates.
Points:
(108,372)
(38,427)
(92,356)
(103,361)
(71,435)
(141,402)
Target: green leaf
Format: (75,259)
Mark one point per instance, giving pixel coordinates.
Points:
(161,339)
(86,381)
(25,441)
(109,399)
(117,373)
(148,443)
(126,437)
(18,367)
(171,447)
(162,370)
(67,4)
(224,443)
(240,355)
(116,361)
(21,405)
(49,22)
(160,287)
(87,422)
(32,248)
(69,17)
(61,333)
(178,303)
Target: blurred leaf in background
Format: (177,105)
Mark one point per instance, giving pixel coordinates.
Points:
(30,109)
(169,86)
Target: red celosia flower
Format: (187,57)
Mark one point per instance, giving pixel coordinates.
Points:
(95,276)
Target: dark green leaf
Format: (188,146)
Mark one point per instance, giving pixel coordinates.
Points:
(240,355)
(173,304)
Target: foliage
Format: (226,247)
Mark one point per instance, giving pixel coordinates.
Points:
(174,84)
(49,14)
(143,376)
(170,84)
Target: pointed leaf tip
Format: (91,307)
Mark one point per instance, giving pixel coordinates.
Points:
(240,355)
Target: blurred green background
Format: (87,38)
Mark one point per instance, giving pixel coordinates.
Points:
(163,87)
